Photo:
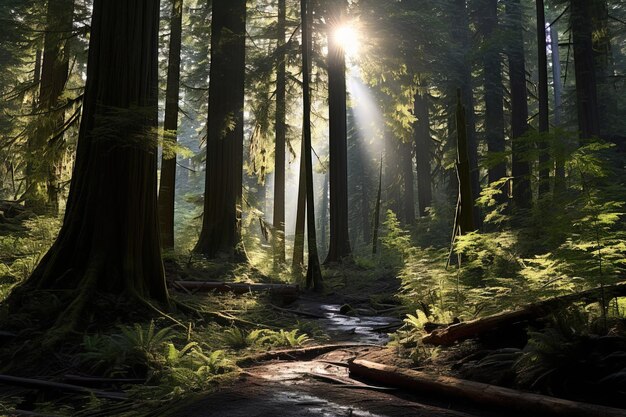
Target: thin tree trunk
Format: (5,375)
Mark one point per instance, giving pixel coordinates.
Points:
(279,153)
(466,202)
(377,208)
(167,185)
(338,150)
(522,197)
(423,150)
(298,244)
(407,179)
(559,175)
(314,273)
(109,241)
(221,226)
(542,87)
(324,214)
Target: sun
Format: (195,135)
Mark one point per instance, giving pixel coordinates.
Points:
(347,37)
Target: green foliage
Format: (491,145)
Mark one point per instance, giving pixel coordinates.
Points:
(236,338)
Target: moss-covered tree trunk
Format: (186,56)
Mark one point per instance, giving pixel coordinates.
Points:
(520,168)
(109,241)
(167,184)
(338,135)
(221,225)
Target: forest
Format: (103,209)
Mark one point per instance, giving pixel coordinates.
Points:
(240,208)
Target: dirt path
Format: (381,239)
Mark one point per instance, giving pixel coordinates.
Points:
(319,387)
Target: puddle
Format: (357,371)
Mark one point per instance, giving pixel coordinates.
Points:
(355,328)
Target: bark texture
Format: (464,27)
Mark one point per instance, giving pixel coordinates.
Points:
(109,241)
(221,226)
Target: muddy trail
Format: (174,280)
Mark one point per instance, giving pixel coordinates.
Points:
(321,385)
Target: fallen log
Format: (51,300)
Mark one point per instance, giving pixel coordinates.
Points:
(305,353)
(478,393)
(239,287)
(50,385)
(470,329)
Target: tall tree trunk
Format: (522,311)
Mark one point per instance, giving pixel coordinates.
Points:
(221,226)
(393,174)
(279,152)
(377,208)
(586,83)
(494,111)
(338,134)
(603,61)
(313,273)
(109,241)
(559,174)
(522,196)
(464,222)
(462,36)
(167,185)
(542,87)
(423,151)
(407,181)
(324,215)
(46,142)
(298,243)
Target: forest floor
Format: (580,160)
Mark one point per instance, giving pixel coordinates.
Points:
(322,385)
(255,355)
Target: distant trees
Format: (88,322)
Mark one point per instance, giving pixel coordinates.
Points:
(221,225)
(109,242)
(44,145)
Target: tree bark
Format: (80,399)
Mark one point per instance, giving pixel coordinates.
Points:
(279,152)
(377,208)
(559,173)
(313,273)
(462,37)
(465,206)
(542,89)
(477,393)
(522,197)
(407,181)
(466,330)
(109,241)
(338,150)
(221,226)
(586,83)
(298,244)
(492,81)
(167,185)
(423,150)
